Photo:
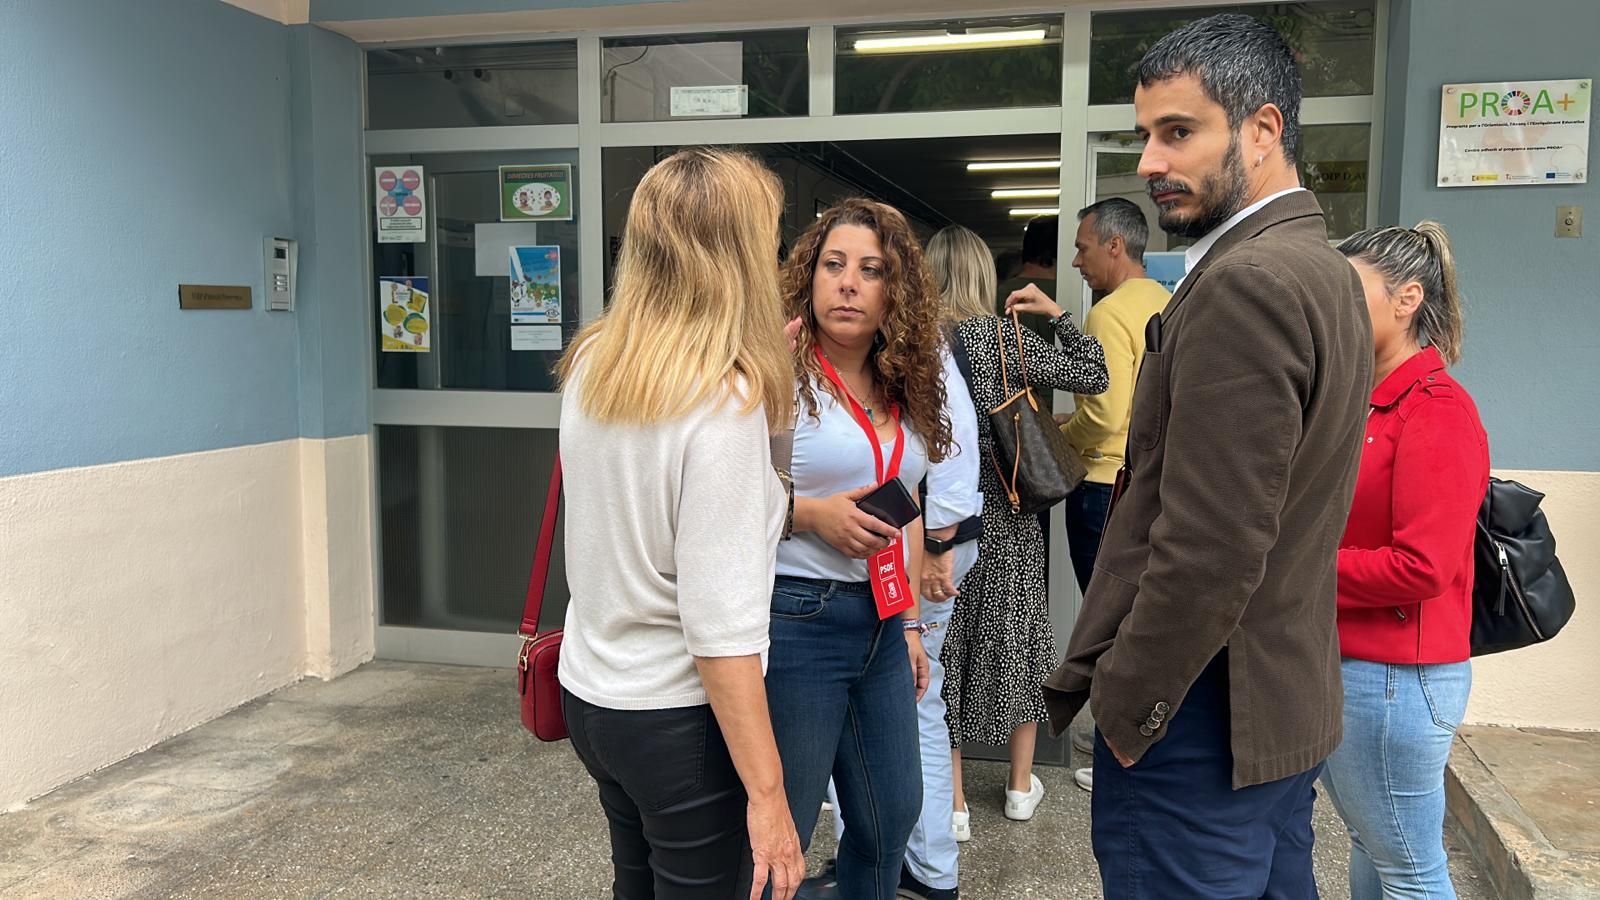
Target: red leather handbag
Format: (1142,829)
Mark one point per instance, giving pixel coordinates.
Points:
(537,661)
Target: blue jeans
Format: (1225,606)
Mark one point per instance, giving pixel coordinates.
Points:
(1172,825)
(1387,778)
(932,854)
(844,704)
(1086,521)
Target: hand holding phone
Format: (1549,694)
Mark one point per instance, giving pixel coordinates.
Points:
(891,503)
(843,525)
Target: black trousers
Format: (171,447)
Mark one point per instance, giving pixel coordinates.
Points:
(675,803)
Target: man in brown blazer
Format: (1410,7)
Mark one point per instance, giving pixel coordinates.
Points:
(1206,644)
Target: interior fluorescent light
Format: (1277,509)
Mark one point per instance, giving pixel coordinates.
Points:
(1030,212)
(973,39)
(1014,165)
(1025,193)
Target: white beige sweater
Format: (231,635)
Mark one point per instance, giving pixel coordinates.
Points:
(671,535)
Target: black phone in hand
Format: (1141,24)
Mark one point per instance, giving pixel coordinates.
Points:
(891,503)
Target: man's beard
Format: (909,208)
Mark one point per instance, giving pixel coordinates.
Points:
(1222,195)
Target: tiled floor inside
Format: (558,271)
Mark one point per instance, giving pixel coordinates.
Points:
(408,780)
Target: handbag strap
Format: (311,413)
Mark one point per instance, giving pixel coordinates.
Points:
(541,555)
(1010,485)
(1022,353)
(782,446)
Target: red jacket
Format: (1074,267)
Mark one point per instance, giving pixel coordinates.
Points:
(1405,564)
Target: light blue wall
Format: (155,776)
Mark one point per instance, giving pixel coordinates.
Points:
(152,144)
(1532,357)
(330,224)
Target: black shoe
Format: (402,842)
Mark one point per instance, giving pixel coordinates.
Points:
(912,889)
(824,886)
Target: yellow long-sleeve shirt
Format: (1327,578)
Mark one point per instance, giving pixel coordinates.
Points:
(1099,425)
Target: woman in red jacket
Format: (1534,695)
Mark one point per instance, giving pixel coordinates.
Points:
(1405,571)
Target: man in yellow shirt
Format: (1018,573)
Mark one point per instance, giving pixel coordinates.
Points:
(1110,241)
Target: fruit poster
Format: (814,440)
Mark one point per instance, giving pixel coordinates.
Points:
(404,313)
(535,285)
(533,193)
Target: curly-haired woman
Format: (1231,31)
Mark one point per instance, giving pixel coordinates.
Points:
(847,665)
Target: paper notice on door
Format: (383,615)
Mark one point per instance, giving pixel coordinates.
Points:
(536,337)
(715,100)
(492,240)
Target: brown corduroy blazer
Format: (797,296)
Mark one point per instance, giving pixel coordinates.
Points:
(1242,453)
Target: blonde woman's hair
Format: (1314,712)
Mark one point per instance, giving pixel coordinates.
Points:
(964,273)
(1421,254)
(695,311)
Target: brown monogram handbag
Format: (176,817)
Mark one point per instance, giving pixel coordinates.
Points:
(1036,465)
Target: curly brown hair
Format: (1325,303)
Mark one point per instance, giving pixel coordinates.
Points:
(906,357)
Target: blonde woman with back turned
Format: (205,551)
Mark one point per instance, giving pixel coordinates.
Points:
(675,510)
(1001,646)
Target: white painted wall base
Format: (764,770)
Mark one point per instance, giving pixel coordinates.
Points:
(141,599)
(1549,686)
(335,501)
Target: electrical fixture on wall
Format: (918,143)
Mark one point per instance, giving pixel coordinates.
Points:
(967,40)
(1025,193)
(1014,165)
(1031,212)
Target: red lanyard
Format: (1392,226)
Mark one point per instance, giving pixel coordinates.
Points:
(866,424)
(891,592)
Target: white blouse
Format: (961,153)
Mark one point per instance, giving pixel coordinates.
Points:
(832,456)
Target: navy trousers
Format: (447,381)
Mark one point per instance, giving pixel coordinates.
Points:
(1172,826)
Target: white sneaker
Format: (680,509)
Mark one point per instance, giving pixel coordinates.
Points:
(961,824)
(1085,779)
(1020,806)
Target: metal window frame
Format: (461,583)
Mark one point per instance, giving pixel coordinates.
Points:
(1074,119)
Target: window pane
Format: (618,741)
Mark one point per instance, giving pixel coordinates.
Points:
(1333,165)
(763,74)
(460,519)
(467,263)
(1116,174)
(967,64)
(927,179)
(458,87)
(1334,42)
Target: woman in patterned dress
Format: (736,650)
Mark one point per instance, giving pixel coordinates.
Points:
(1000,645)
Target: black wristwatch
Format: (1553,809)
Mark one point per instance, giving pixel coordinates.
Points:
(937,547)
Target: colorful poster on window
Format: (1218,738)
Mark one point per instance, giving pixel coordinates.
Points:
(404,313)
(541,193)
(535,285)
(402,205)
(1514,133)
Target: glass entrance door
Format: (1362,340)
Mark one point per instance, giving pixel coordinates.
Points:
(467,417)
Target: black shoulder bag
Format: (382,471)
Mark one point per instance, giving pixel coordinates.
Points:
(1521,595)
